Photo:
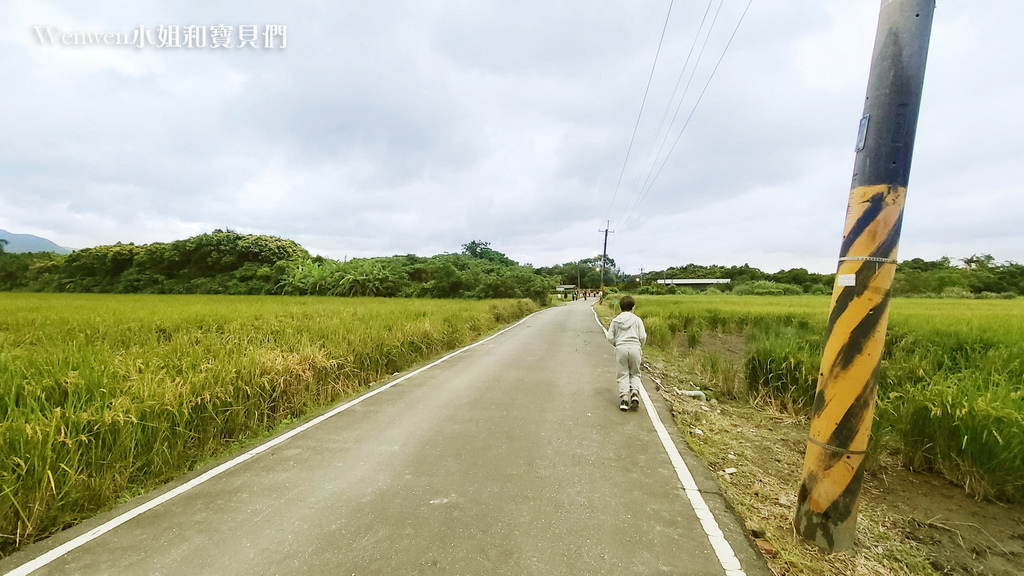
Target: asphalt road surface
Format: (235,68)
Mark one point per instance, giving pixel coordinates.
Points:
(509,458)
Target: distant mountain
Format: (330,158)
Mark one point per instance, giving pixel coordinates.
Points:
(29,243)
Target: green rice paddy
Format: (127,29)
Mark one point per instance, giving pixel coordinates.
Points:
(105,396)
(950,386)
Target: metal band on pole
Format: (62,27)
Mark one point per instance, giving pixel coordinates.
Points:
(844,404)
(867,259)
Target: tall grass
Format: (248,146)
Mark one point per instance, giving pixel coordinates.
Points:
(950,386)
(105,395)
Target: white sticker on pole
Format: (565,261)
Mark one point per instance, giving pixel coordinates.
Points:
(846,280)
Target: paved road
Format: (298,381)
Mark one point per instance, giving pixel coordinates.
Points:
(510,458)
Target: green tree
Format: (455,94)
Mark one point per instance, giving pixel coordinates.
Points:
(981,274)
(483,251)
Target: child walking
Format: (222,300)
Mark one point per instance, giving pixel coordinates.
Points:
(628,335)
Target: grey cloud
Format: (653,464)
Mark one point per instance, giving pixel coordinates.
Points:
(414,127)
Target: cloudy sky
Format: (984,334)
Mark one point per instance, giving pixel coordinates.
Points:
(397,127)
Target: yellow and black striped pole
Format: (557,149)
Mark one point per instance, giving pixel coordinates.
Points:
(844,404)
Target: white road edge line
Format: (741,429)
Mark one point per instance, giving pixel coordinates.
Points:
(40,561)
(726,555)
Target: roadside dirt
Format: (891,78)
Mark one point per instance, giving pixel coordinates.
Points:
(909,523)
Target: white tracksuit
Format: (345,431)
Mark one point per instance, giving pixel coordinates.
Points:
(627,334)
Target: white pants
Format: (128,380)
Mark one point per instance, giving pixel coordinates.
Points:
(628,360)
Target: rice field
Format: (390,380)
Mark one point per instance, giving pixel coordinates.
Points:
(950,386)
(105,396)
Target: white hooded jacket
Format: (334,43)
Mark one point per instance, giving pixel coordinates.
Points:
(627,329)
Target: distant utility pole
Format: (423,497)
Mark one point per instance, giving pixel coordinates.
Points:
(845,400)
(604,252)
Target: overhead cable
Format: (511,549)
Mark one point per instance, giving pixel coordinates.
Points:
(642,104)
(644,193)
(646,172)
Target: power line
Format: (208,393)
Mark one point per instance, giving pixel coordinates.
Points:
(675,90)
(642,103)
(693,110)
(643,195)
(686,90)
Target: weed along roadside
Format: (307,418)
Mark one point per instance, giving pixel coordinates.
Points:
(945,484)
(107,396)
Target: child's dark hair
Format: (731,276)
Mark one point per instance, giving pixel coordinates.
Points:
(627,303)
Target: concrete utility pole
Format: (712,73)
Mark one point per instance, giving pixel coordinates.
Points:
(845,400)
(604,253)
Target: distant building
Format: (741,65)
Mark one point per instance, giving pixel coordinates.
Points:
(698,282)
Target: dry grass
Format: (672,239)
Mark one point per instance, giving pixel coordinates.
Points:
(908,524)
(767,450)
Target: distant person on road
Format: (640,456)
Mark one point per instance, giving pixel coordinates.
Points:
(628,335)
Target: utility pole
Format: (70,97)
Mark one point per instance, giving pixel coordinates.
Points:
(604,253)
(844,404)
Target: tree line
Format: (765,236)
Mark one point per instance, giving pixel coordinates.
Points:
(979,276)
(227,262)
